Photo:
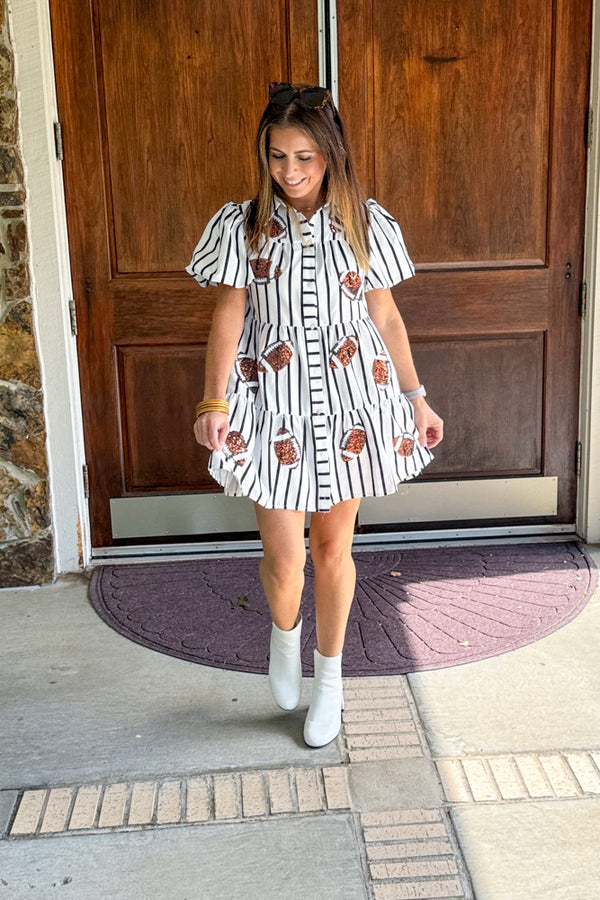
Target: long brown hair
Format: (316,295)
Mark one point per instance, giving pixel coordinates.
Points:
(342,187)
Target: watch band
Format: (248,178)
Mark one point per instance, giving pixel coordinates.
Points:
(418,392)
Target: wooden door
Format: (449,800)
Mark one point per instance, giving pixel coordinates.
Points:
(468,121)
(159,103)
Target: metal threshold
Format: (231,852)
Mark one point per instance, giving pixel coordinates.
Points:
(452,537)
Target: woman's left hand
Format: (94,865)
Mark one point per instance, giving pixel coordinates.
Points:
(431,427)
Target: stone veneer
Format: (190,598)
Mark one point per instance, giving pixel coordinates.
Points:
(26,546)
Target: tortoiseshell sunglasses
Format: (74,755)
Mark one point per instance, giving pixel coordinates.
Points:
(282,93)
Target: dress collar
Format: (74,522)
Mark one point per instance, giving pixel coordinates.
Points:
(286,226)
(282,207)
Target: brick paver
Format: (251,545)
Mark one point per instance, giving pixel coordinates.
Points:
(57,810)
(199,805)
(410,855)
(421,869)
(525,776)
(226,797)
(408,850)
(29,812)
(201,799)
(561,778)
(481,782)
(141,809)
(424,890)
(336,787)
(169,806)
(308,790)
(377,721)
(582,765)
(506,776)
(536,781)
(85,808)
(112,810)
(454,781)
(280,792)
(254,801)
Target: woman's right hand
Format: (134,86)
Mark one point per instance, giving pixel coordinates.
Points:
(211,430)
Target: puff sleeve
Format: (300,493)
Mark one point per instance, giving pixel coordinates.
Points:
(389,262)
(221,255)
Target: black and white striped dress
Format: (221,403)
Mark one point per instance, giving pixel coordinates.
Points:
(316,411)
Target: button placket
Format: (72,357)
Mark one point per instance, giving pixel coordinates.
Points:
(310,314)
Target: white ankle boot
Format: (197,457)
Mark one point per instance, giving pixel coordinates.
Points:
(324,718)
(285,667)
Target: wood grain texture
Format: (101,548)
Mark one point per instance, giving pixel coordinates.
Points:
(182,101)
(467,124)
(474,141)
(457,95)
(494,421)
(159,104)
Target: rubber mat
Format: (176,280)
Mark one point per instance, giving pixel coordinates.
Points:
(413,610)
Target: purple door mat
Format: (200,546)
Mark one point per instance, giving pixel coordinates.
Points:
(413,609)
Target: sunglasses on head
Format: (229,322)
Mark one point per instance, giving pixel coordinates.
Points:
(282,93)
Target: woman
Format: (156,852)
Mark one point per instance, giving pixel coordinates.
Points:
(312,400)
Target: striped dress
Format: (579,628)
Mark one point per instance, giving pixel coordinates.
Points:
(316,411)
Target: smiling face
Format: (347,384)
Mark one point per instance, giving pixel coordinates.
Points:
(297,165)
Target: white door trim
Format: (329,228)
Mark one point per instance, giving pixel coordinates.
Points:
(29,22)
(588,497)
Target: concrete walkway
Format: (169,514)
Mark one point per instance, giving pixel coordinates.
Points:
(128,774)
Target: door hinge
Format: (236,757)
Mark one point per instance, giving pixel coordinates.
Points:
(578,455)
(589,128)
(73,317)
(583,299)
(58,141)
(86,481)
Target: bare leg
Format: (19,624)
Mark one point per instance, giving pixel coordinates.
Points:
(330,544)
(282,566)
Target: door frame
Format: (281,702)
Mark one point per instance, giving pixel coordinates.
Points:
(29,21)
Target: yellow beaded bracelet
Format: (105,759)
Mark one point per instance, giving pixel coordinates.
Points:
(205,406)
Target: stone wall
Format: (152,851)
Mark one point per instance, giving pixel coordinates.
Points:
(26,550)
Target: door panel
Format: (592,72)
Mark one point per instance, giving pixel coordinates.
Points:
(468,121)
(156,383)
(461,95)
(481,371)
(180,112)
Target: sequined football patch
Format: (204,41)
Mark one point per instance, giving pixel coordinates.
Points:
(236,448)
(276,227)
(353,443)
(246,369)
(264,269)
(287,449)
(276,357)
(404,445)
(381,370)
(343,352)
(351,283)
